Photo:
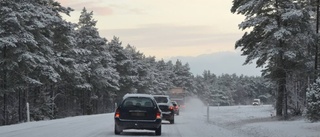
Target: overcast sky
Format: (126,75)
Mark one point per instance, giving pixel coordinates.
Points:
(169,29)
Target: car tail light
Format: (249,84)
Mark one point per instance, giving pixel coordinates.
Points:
(176,107)
(158,115)
(171,107)
(117,114)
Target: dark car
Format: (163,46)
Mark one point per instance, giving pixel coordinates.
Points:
(176,107)
(166,107)
(180,101)
(138,111)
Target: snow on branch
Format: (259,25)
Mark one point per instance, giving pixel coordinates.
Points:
(281,33)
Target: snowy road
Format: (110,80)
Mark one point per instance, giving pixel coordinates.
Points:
(235,121)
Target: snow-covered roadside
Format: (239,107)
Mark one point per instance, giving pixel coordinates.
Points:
(298,128)
(80,126)
(257,121)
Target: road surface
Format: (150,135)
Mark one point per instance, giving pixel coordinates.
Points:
(235,121)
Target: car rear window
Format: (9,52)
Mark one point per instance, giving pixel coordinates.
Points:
(180,102)
(138,102)
(161,99)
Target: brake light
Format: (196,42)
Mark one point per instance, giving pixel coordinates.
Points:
(171,107)
(176,107)
(117,114)
(158,115)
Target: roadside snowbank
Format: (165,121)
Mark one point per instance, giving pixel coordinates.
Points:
(257,121)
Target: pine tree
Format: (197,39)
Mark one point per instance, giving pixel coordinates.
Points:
(182,75)
(27,29)
(313,99)
(280,33)
(95,63)
(123,62)
(163,77)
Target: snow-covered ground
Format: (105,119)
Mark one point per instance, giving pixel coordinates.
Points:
(232,121)
(256,121)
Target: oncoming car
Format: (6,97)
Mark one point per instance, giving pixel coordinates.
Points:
(138,111)
(256,102)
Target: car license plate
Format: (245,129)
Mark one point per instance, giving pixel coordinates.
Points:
(139,114)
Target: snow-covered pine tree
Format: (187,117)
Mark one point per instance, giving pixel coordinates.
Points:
(148,75)
(170,72)
(199,89)
(313,102)
(225,88)
(279,33)
(58,102)
(95,63)
(209,85)
(183,77)
(163,77)
(122,65)
(136,69)
(232,89)
(26,33)
(9,34)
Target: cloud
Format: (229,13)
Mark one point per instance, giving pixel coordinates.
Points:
(102,11)
(101,7)
(63,2)
(126,9)
(220,63)
(165,41)
(97,10)
(162,28)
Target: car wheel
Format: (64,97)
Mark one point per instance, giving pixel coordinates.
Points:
(116,130)
(178,113)
(172,121)
(158,131)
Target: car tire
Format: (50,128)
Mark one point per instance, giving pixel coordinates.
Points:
(158,131)
(172,121)
(178,113)
(116,130)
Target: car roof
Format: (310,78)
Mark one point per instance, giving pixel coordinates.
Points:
(137,95)
(160,95)
(176,98)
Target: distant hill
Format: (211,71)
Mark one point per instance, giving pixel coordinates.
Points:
(220,63)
